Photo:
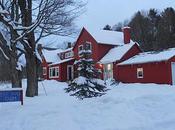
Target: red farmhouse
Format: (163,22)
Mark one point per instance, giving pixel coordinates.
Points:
(108,48)
(115,54)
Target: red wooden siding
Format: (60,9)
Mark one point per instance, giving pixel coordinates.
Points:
(45,64)
(159,72)
(170,61)
(98,50)
(103,50)
(62,70)
(132,52)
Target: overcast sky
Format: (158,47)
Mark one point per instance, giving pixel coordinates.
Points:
(101,12)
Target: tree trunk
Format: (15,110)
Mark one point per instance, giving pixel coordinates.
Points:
(31,75)
(16,81)
(31,66)
(37,74)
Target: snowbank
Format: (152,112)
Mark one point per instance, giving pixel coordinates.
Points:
(124,107)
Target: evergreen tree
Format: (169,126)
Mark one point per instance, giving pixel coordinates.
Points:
(140,31)
(166,30)
(87,84)
(107,27)
(118,27)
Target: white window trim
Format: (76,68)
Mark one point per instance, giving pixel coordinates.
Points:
(57,76)
(79,49)
(44,70)
(90,45)
(138,70)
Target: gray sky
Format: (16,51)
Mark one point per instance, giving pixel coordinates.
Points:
(101,12)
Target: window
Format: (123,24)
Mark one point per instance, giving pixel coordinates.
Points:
(108,71)
(69,54)
(139,73)
(54,72)
(88,46)
(85,46)
(44,71)
(61,56)
(80,48)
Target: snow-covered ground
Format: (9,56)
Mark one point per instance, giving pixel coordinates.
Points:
(124,107)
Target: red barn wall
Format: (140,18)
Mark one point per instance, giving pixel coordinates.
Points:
(103,50)
(159,72)
(132,52)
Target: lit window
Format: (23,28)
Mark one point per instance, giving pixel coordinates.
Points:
(139,73)
(54,72)
(44,71)
(109,67)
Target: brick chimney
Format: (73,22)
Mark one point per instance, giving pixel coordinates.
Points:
(127,35)
(69,45)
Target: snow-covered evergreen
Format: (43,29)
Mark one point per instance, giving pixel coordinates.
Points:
(87,84)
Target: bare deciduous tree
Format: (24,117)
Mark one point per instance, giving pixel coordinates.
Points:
(27,22)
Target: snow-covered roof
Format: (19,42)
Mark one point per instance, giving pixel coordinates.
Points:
(116,53)
(51,55)
(108,37)
(150,57)
(69,49)
(61,61)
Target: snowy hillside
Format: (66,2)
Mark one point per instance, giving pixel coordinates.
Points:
(124,107)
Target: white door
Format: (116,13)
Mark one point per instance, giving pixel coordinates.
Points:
(108,71)
(70,72)
(173,72)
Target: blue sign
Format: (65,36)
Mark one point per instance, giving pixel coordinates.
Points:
(11,96)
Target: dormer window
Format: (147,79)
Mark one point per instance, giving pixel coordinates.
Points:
(61,56)
(69,54)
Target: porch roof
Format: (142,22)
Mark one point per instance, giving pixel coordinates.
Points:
(62,61)
(116,53)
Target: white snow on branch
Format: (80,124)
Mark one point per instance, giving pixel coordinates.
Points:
(21,62)
(37,53)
